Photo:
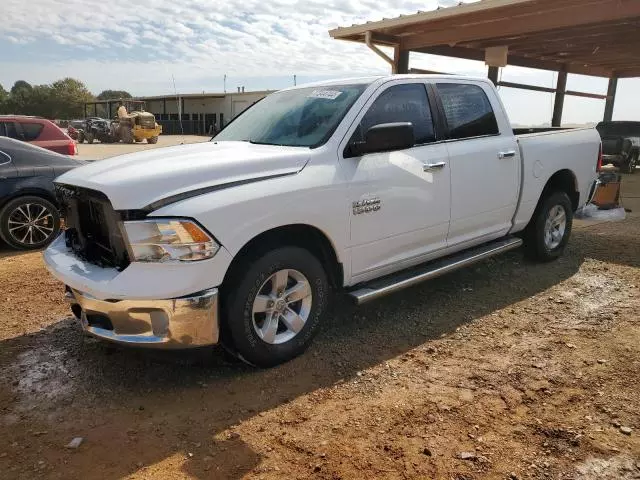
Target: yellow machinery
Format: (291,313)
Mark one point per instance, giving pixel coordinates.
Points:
(134,124)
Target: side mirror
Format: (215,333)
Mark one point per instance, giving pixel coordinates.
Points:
(384,137)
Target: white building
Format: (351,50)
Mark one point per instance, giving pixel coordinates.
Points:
(200,111)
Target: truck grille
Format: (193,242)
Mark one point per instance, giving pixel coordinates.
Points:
(91,227)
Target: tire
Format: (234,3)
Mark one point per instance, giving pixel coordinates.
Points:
(152,140)
(631,164)
(137,140)
(543,241)
(89,137)
(29,238)
(247,314)
(80,137)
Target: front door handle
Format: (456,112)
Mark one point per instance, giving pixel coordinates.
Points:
(430,167)
(509,154)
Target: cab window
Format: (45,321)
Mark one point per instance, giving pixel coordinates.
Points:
(400,103)
(467,110)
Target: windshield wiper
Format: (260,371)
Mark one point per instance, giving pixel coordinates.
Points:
(267,143)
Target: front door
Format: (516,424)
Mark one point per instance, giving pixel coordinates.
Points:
(400,199)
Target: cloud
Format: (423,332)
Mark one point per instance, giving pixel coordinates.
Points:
(138,46)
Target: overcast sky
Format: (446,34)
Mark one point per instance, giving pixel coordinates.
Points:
(261,44)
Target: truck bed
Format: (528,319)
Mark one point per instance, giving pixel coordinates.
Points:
(541,152)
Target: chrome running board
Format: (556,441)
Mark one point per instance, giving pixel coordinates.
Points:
(398,281)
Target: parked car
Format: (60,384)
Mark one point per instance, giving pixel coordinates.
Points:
(620,144)
(77,124)
(355,185)
(29,216)
(98,129)
(38,131)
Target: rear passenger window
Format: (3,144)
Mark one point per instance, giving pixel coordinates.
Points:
(9,130)
(31,130)
(467,110)
(401,103)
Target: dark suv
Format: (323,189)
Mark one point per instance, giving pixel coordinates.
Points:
(620,144)
(38,131)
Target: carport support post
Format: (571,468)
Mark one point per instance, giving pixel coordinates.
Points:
(561,88)
(611,99)
(400,61)
(493,74)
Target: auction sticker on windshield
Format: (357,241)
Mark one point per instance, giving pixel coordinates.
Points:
(326,94)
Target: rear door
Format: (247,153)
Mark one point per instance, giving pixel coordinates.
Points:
(484,159)
(8,129)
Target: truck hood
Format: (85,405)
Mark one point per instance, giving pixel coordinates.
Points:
(137,180)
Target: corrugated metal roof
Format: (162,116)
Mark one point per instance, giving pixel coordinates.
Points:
(461,8)
(589,37)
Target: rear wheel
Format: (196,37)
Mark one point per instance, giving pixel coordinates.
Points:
(89,137)
(548,233)
(274,306)
(29,222)
(152,140)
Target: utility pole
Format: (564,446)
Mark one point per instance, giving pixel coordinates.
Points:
(294,81)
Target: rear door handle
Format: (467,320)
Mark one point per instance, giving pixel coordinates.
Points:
(509,154)
(430,167)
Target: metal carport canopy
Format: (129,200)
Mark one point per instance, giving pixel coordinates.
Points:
(587,37)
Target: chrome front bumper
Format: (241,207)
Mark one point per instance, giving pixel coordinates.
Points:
(183,322)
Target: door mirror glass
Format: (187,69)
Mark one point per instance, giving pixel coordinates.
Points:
(384,137)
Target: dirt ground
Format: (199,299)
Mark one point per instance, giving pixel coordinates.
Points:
(506,370)
(98,151)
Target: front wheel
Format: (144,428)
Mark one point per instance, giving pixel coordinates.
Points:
(548,233)
(272,311)
(29,222)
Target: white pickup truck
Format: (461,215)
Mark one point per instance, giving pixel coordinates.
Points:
(364,186)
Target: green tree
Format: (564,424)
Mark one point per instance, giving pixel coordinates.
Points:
(113,95)
(4,98)
(67,98)
(20,98)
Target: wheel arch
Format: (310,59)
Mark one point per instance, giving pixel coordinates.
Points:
(564,181)
(300,235)
(29,192)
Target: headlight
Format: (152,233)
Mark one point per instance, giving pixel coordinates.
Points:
(168,239)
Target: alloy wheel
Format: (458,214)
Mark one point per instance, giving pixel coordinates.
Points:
(555,227)
(282,306)
(31,224)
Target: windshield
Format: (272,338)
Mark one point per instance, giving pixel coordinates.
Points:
(304,117)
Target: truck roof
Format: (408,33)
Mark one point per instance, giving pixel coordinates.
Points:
(380,79)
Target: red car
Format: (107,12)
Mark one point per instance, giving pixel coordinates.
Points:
(38,131)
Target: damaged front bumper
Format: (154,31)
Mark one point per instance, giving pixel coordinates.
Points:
(185,322)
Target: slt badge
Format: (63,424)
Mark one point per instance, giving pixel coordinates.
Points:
(366,206)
